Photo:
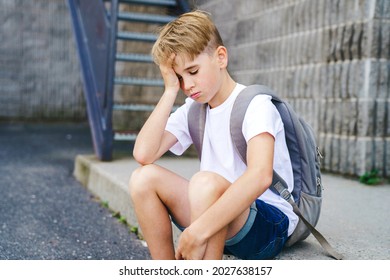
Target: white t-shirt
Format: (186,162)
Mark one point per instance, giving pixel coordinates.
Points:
(218,153)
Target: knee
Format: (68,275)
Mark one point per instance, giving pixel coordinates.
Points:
(140,181)
(206,184)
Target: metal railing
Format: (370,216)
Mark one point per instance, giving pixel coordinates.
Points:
(95,29)
(95,33)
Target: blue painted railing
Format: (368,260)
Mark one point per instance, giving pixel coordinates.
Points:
(95,33)
(95,30)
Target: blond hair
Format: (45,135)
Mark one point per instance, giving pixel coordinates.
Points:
(189,35)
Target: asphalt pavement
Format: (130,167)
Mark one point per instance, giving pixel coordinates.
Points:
(45,213)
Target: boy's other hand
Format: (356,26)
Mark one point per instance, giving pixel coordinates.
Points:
(171,81)
(189,247)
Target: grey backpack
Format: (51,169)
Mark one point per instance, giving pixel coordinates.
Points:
(306,197)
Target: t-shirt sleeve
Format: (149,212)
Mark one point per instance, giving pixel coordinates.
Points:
(178,125)
(261,116)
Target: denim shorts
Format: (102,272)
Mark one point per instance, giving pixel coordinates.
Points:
(262,236)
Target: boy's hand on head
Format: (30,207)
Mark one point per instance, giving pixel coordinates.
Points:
(171,81)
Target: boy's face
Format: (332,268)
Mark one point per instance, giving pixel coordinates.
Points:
(201,78)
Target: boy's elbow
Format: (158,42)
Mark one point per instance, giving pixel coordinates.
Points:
(142,157)
(268,177)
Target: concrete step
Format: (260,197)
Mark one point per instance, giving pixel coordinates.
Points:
(109,181)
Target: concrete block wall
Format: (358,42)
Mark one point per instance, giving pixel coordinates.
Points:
(39,69)
(329,59)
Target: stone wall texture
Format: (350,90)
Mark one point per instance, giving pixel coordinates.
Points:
(39,69)
(329,59)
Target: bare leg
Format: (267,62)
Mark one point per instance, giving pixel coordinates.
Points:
(156,192)
(205,189)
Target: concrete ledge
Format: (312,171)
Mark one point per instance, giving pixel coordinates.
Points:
(108,180)
(108,186)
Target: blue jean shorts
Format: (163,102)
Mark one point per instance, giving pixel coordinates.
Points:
(263,235)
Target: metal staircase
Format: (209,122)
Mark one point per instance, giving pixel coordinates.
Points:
(114,39)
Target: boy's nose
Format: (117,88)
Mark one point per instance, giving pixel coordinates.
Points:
(188,84)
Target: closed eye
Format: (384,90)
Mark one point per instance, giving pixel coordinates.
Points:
(194,72)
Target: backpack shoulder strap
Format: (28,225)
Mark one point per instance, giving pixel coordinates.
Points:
(238,113)
(196,123)
(237,118)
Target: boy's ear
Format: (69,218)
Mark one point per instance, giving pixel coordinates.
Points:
(222,56)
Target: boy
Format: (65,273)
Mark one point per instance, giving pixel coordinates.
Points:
(226,206)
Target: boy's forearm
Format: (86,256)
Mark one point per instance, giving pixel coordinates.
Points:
(149,140)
